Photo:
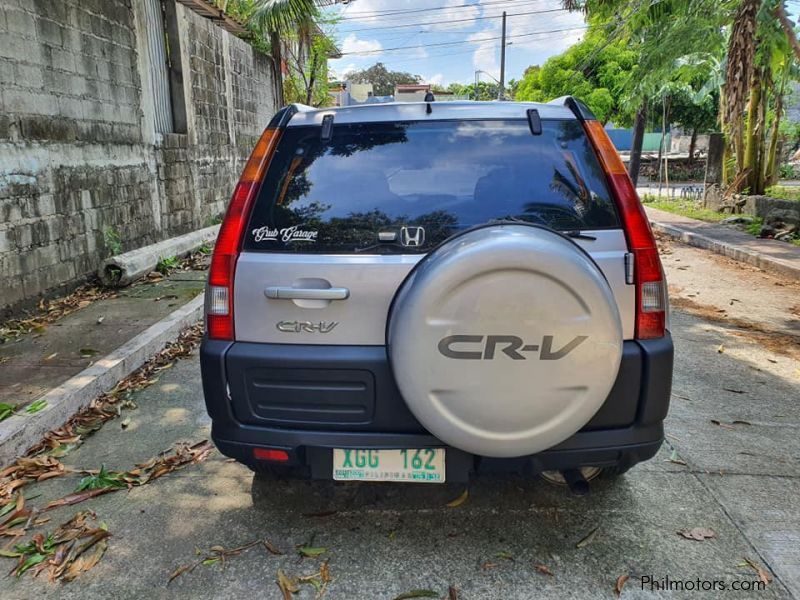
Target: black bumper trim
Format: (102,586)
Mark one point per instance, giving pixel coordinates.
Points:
(642,394)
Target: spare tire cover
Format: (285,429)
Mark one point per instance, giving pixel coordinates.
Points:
(505,340)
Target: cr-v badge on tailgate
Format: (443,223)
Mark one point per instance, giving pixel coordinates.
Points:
(306,326)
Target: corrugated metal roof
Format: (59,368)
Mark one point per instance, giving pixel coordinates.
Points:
(210,11)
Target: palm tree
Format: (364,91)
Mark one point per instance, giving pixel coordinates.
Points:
(739,74)
(278,19)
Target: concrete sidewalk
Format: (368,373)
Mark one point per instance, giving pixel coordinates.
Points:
(67,363)
(780,258)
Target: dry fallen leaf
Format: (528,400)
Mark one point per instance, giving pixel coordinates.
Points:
(271,548)
(78,498)
(763,574)
(72,548)
(452,593)
(459,501)
(181,570)
(287,585)
(588,538)
(325,572)
(697,533)
(544,569)
(620,584)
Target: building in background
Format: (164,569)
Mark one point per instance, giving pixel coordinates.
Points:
(122,123)
(411,92)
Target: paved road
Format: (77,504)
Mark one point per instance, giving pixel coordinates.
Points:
(741,480)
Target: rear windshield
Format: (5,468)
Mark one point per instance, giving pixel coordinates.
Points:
(405,187)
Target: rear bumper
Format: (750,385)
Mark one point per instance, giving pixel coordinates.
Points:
(627,429)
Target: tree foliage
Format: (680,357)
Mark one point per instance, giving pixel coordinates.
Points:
(307,79)
(382,79)
(485,90)
(596,70)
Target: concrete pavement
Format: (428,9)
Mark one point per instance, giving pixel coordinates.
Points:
(742,479)
(64,364)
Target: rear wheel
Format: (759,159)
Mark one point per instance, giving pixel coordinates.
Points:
(555,477)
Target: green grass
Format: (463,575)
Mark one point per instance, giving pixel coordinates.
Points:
(783,192)
(167,264)
(688,208)
(684,207)
(754,228)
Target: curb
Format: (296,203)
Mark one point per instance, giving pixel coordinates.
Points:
(139,262)
(20,432)
(750,257)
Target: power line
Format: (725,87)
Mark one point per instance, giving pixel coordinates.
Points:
(478,40)
(448,21)
(401,12)
(478,4)
(459,52)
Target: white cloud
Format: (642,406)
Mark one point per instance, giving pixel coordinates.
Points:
(532,48)
(416,53)
(437,79)
(341,72)
(352,44)
(485,57)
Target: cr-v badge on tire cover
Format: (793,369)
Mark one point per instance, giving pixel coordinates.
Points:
(510,345)
(494,293)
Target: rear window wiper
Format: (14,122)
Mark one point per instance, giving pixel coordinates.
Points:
(572,233)
(579,235)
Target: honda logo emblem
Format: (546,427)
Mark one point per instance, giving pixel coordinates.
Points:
(412,236)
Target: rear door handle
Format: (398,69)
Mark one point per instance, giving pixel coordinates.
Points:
(279,292)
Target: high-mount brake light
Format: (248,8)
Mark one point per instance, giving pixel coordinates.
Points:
(647,271)
(219,309)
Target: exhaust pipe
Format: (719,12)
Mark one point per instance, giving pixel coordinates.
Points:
(576,482)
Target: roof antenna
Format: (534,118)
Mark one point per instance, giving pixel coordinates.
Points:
(429,97)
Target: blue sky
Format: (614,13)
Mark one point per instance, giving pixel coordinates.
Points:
(451,39)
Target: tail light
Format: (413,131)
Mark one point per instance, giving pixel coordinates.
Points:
(219,306)
(648,275)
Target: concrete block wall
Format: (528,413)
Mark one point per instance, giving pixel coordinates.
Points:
(79,157)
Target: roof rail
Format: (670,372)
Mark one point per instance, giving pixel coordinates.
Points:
(578,108)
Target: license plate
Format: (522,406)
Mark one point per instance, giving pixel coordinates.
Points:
(424,465)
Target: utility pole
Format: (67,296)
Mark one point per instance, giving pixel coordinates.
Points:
(502,93)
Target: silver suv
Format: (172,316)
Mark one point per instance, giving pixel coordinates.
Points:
(419,291)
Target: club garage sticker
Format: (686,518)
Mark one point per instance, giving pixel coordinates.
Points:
(285,235)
